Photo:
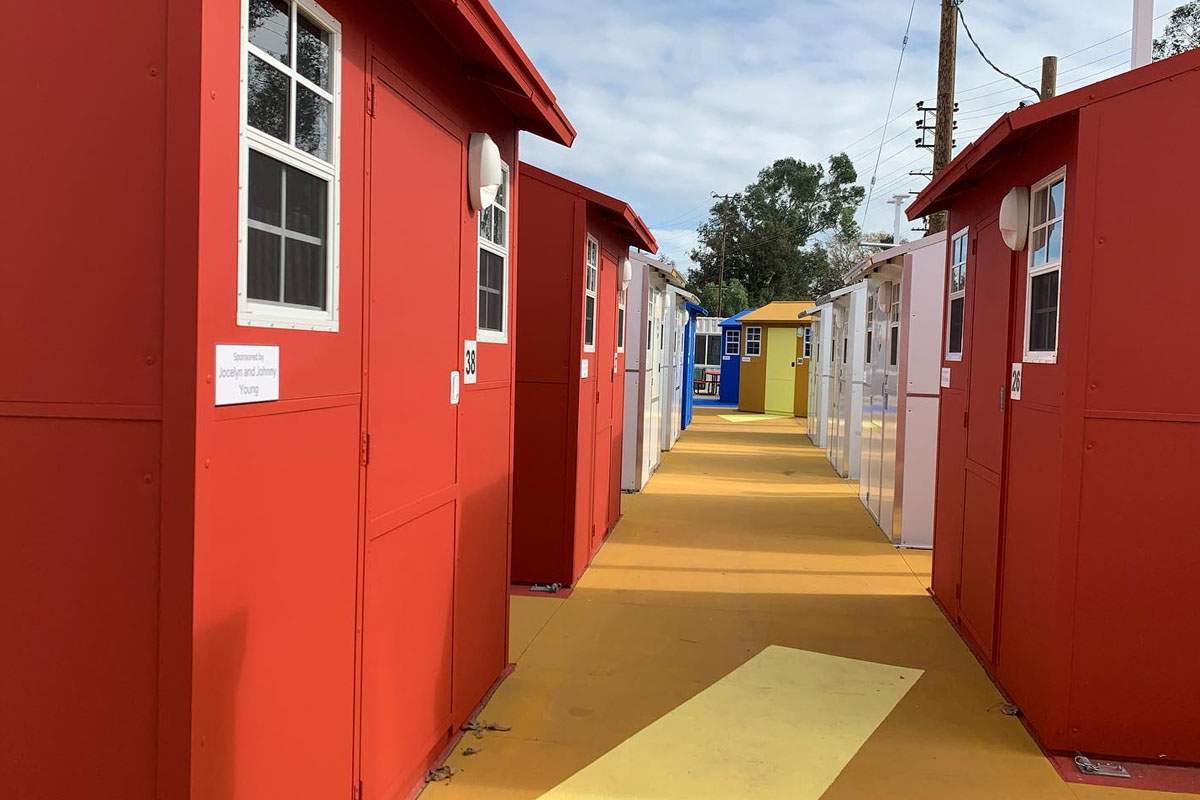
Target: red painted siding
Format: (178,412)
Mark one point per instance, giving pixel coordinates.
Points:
(228,550)
(569,427)
(1094,635)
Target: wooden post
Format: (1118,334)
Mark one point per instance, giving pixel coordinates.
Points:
(1049,77)
(943,136)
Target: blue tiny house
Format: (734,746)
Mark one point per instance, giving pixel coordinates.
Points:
(689,361)
(731,357)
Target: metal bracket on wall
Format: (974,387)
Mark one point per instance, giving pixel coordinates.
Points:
(1107,769)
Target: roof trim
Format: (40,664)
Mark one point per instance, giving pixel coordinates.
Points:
(475,22)
(875,260)
(936,196)
(734,320)
(642,237)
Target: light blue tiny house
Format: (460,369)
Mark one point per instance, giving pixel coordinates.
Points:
(731,357)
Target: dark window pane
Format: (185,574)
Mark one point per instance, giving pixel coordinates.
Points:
(1043,313)
(492,305)
(956,325)
(265,190)
(270,27)
(589,320)
(267,99)
(304,274)
(620,327)
(894,357)
(491,270)
(313,115)
(312,51)
(870,343)
(262,265)
(307,196)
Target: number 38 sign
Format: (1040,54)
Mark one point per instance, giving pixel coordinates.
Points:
(470,362)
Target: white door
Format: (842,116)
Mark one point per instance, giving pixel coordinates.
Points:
(652,446)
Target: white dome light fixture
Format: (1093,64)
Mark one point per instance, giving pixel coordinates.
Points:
(1014,218)
(485,171)
(626,273)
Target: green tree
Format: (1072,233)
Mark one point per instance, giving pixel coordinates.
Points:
(767,229)
(733,296)
(1182,32)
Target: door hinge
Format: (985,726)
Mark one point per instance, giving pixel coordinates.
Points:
(358,790)
(958,591)
(371,100)
(364,449)
(966,417)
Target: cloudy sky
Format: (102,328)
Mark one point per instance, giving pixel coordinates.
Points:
(676,99)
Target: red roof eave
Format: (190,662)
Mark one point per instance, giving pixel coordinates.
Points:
(478,22)
(936,196)
(643,238)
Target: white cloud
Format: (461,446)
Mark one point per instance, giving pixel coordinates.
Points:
(675,99)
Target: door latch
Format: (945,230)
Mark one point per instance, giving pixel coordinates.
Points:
(455,386)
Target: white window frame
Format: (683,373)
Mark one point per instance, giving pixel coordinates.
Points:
(960,294)
(1031,272)
(622,319)
(591,277)
(481,244)
(733,336)
(757,330)
(808,342)
(257,313)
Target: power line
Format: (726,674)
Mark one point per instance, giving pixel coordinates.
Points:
(983,55)
(891,101)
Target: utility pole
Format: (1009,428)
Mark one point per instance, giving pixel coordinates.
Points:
(943,138)
(1143,34)
(897,201)
(721,268)
(1049,77)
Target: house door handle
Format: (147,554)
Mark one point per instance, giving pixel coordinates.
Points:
(1001,395)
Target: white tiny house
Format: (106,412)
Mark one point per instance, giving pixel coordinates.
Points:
(648,380)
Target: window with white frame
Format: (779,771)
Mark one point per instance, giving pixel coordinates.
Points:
(492,320)
(288,190)
(870,327)
(753,341)
(894,334)
(621,320)
(589,297)
(733,342)
(958,296)
(1045,268)
(808,343)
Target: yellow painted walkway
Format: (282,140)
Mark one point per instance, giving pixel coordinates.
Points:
(724,604)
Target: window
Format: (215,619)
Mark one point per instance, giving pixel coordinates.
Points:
(288,190)
(894,335)
(958,296)
(589,298)
(708,349)
(753,341)
(870,327)
(621,320)
(1045,268)
(808,342)
(733,342)
(492,321)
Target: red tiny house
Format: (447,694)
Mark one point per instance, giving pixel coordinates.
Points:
(569,422)
(1065,528)
(276,598)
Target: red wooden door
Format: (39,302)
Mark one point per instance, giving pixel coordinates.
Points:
(416,185)
(606,351)
(987,402)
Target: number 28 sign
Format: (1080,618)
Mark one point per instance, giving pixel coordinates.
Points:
(1014,384)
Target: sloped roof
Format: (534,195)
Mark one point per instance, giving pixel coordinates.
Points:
(622,211)
(1017,125)
(495,58)
(864,267)
(735,320)
(779,311)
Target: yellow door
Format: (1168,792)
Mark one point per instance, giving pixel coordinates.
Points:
(781,370)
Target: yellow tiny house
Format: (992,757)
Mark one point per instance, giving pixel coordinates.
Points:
(775,355)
